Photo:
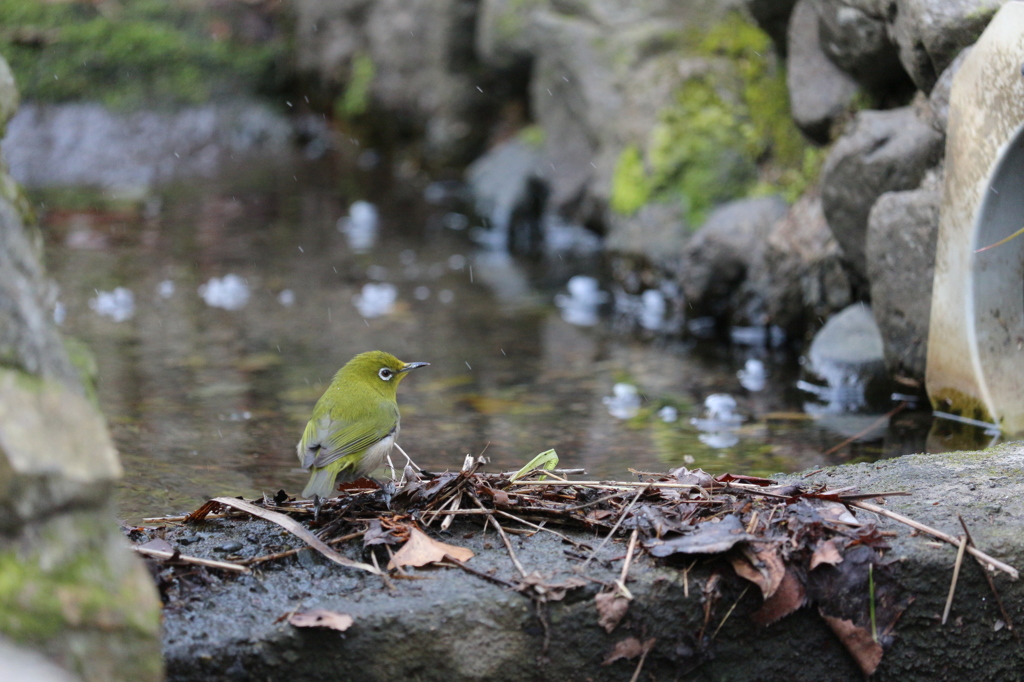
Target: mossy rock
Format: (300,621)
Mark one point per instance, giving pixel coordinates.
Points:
(726,134)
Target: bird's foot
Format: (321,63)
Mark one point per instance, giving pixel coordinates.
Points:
(318,502)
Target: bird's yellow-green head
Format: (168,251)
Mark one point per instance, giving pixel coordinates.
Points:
(377,370)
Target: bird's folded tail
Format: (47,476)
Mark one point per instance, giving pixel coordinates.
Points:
(320,483)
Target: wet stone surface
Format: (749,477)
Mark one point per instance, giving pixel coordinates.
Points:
(446,624)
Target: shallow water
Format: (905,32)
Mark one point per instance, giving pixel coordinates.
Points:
(206,401)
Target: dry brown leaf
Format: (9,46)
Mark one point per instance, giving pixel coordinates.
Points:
(421,549)
(788,598)
(761,564)
(706,538)
(858,641)
(825,553)
(628,648)
(838,513)
(611,607)
(321,618)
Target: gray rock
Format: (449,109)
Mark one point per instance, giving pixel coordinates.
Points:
(28,339)
(72,592)
(938,100)
(457,627)
(9,95)
(128,152)
(931,34)
(881,151)
(21,663)
(773,18)
(426,73)
(572,93)
(819,91)
(800,278)
(506,185)
(854,35)
(502,36)
(850,338)
(902,232)
(657,233)
(718,257)
(847,353)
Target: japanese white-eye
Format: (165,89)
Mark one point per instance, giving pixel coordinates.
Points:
(355,423)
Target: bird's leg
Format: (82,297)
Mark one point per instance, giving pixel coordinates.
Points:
(317,503)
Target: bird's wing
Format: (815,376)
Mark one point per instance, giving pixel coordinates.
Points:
(340,437)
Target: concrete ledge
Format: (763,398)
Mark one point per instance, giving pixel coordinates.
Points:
(453,626)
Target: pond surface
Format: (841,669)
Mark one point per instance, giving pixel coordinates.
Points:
(205,400)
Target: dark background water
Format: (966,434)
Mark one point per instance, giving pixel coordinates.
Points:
(204,401)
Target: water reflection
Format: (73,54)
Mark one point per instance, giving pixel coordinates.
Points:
(207,396)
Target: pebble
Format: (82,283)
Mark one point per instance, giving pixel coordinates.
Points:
(229,547)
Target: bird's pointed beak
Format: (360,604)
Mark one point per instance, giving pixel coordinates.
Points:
(413,365)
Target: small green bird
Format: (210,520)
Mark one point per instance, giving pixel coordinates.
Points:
(354,424)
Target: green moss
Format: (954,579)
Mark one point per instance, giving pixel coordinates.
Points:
(631,187)
(728,134)
(533,136)
(356,98)
(37,602)
(128,53)
(83,360)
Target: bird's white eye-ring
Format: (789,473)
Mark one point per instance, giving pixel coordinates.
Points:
(385,374)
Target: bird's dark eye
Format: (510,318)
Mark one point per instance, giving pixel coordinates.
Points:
(385,374)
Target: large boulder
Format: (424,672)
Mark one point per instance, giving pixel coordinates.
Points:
(656,234)
(902,232)
(502,36)
(938,100)
(70,589)
(508,190)
(882,151)
(415,60)
(931,34)
(718,257)
(854,35)
(799,279)
(773,17)
(819,91)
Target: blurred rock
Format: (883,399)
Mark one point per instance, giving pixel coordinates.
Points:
(855,37)
(716,260)
(424,70)
(847,354)
(881,151)
(773,18)
(502,38)
(819,91)
(931,34)
(657,233)
(937,111)
(87,144)
(25,664)
(71,591)
(509,192)
(902,233)
(800,278)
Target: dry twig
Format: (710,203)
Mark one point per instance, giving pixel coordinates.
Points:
(974,551)
(209,563)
